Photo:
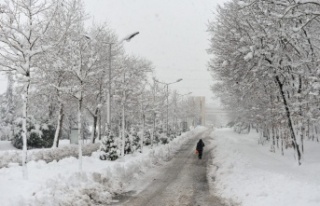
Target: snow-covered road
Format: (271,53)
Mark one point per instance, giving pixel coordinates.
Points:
(183,181)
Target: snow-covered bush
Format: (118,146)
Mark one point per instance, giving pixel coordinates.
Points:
(48,155)
(156,138)
(135,140)
(172,136)
(39,136)
(109,148)
(147,138)
(163,138)
(127,144)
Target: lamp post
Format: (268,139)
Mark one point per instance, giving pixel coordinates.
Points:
(167,85)
(128,38)
(123,116)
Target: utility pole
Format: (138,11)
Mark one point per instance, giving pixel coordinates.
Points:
(128,38)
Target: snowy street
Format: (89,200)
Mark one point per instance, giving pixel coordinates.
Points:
(183,181)
(60,183)
(172,175)
(113,103)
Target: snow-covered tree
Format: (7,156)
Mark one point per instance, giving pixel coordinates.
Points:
(109,148)
(8,110)
(95,101)
(265,59)
(135,140)
(25,26)
(127,149)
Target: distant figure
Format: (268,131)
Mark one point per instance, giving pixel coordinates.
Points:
(200,146)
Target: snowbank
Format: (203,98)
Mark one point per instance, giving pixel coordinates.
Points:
(251,175)
(48,155)
(61,183)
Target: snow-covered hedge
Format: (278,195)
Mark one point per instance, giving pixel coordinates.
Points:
(47,155)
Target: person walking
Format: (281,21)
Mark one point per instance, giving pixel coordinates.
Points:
(199,148)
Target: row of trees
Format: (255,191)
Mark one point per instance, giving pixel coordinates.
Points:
(59,77)
(266,62)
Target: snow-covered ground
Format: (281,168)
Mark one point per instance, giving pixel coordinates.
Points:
(251,175)
(6,145)
(60,183)
(245,173)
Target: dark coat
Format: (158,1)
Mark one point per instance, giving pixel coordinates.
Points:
(200,145)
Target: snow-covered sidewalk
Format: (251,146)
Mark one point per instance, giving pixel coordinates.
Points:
(251,175)
(60,183)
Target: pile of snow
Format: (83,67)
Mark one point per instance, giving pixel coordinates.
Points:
(249,174)
(48,155)
(61,183)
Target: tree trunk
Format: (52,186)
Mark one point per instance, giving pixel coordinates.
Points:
(80,130)
(308,130)
(99,125)
(302,138)
(277,136)
(273,139)
(59,127)
(94,128)
(123,130)
(123,117)
(288,115)
(24,127)
(142,133)
(282,139)
(153,129)
(315,131)
(11,104)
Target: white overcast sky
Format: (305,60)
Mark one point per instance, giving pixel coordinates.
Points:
(172,36)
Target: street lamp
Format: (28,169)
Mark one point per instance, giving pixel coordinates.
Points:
(167,85)
(127,38)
